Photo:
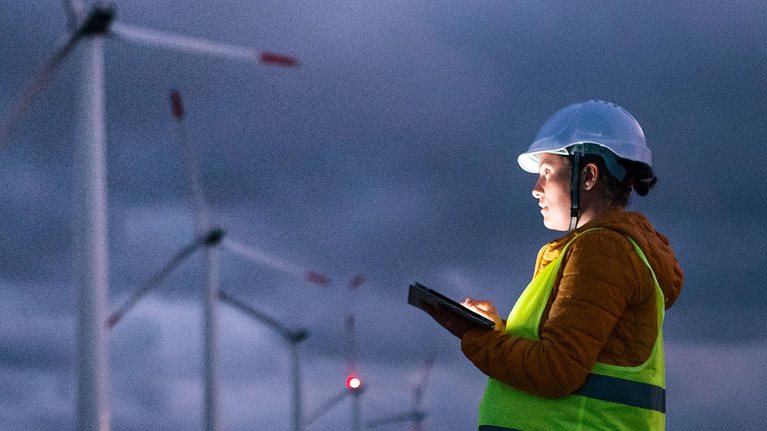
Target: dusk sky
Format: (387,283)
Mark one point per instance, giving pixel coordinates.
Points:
(391,152)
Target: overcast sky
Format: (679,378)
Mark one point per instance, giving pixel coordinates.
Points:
(391,151)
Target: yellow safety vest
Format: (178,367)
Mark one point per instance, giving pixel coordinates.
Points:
(613,397)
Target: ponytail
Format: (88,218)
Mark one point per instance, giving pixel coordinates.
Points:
(639,176)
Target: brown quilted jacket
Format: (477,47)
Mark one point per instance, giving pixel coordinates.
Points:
(601,309)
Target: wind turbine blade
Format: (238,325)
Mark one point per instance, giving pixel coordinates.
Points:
(274,262)
(327,405)
(394,419)
(74,11)
(278,59)
(290,335)
(317,278)
(180,42)
(191,167)
(155,280)
(357,281)
(33,88)
(421,386)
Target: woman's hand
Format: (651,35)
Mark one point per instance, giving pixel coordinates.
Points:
(458,326)
(485,308)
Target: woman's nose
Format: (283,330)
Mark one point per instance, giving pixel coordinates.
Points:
(537,190)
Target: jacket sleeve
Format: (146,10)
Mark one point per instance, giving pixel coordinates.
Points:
(597,281)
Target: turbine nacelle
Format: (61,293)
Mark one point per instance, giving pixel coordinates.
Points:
(98,21)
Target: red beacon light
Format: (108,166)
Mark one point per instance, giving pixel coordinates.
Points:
(353,383)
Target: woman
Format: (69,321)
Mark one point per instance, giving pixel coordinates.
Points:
(583,347)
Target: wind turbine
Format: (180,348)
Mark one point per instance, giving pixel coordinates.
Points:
(202,225)
(211,237)
(292,337)
(353,380)
(417,414)
(353,384)
(88,30)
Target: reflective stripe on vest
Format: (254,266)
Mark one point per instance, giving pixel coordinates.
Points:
(612,398)
(628,392)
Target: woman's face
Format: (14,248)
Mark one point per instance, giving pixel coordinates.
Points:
(553,191)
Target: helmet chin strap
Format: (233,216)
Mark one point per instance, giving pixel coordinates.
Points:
(575,181)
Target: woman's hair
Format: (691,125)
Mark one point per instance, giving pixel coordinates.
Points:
(639,177)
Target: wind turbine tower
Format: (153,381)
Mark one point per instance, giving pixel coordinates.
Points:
(88,29)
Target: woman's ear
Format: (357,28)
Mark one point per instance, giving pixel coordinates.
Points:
(590,175)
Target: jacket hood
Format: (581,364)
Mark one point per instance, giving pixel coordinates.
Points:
(654,245)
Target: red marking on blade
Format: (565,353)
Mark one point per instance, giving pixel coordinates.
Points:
(176,105)
(357,281)
(317,278)
(112,321)
(278,59)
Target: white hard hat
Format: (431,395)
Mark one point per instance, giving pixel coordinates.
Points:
(594,122)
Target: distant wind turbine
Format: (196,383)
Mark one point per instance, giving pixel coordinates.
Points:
(416,414)
(354,386)
(292,337)
(211,237)
(202,225)
(88,29)
(353,380)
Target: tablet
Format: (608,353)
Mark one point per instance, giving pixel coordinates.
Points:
(419,294)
